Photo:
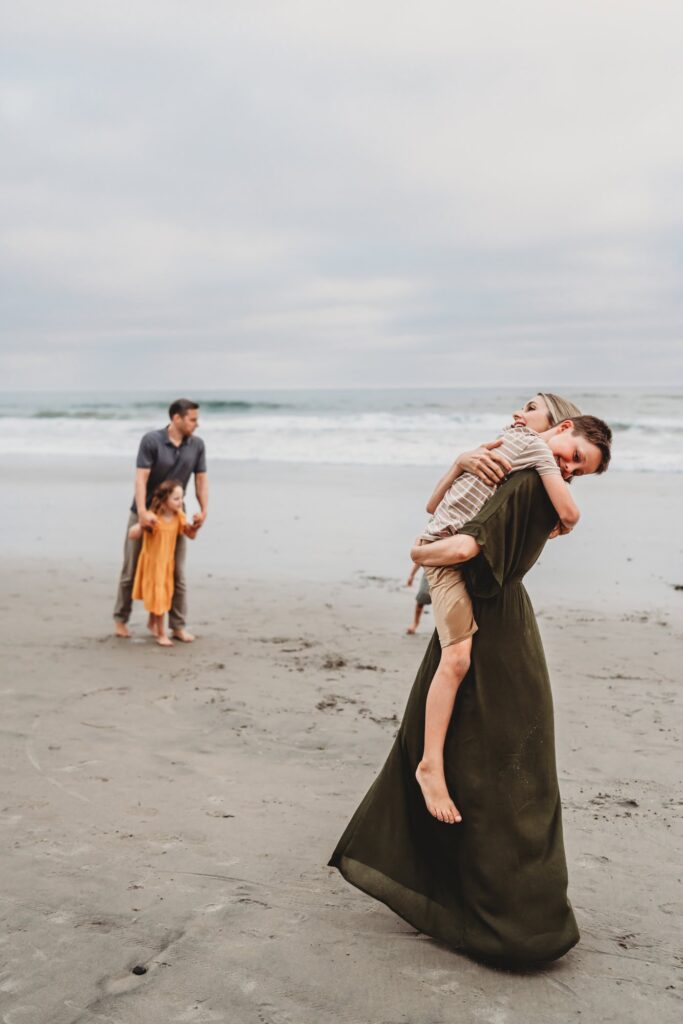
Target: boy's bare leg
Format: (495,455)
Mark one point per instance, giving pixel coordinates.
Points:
(160,632)
(455,661)
(416,619)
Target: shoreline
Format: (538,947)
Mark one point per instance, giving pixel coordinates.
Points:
(304,523)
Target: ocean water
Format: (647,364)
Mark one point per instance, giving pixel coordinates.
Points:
(361,427)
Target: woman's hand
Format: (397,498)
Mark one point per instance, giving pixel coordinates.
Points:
(486,463)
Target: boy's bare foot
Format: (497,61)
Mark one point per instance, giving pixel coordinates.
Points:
(164,641)
(436,795)
(183,636)
(410,630)
(121,629)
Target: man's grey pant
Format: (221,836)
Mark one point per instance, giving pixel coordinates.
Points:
(124,598)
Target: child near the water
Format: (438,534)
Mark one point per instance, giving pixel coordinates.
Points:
(549,435)
(154,574)
(422,597)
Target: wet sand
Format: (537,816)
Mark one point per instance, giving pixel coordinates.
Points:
(174,809)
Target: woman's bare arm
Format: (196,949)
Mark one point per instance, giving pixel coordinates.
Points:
(449,551)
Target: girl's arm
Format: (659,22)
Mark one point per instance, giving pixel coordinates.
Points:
(483,462)
(449,551)
(558,491)
(190,530)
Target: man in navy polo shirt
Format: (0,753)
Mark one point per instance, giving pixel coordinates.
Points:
(172,453)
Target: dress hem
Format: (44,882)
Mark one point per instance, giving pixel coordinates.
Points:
(381,887)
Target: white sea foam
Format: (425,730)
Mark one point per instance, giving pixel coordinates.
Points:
(379,428)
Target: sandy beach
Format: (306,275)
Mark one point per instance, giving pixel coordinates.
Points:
(174,810)
(309,258)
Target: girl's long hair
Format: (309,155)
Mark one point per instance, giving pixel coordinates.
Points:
(163,493)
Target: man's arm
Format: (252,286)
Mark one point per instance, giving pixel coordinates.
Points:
(558,491)
(201,489)
(485,463)
(449,551)
(145,517)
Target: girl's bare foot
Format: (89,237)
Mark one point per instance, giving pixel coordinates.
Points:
(164,641)
(121,629)
(151,624)
(436,796)
(183,636)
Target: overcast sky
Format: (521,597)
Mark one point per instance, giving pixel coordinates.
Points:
(298,193)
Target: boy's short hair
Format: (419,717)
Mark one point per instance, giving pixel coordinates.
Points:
(181,407)
(598,433)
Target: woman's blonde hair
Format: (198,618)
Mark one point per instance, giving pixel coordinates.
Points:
(559,408)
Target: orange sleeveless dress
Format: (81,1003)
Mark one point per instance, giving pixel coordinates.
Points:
(154,574)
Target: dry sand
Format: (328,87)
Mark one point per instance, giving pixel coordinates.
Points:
(175,809)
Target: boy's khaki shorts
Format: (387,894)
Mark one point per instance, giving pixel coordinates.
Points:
(451,604)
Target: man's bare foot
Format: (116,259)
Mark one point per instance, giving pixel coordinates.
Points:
(436,795)
(121,629)
(183,636)
(164,641)
(410,630)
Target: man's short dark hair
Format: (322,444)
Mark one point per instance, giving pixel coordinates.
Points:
(598,433)
(181,407)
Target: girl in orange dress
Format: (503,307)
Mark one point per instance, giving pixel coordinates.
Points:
(154,574)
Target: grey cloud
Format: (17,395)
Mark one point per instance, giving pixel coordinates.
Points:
(281,187)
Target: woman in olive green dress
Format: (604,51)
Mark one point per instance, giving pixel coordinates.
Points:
(494,886)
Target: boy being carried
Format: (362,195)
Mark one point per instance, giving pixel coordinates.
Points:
(575,446)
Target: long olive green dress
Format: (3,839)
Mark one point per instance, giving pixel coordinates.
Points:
(494,886)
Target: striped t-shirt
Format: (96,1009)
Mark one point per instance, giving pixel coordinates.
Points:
(523,448)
